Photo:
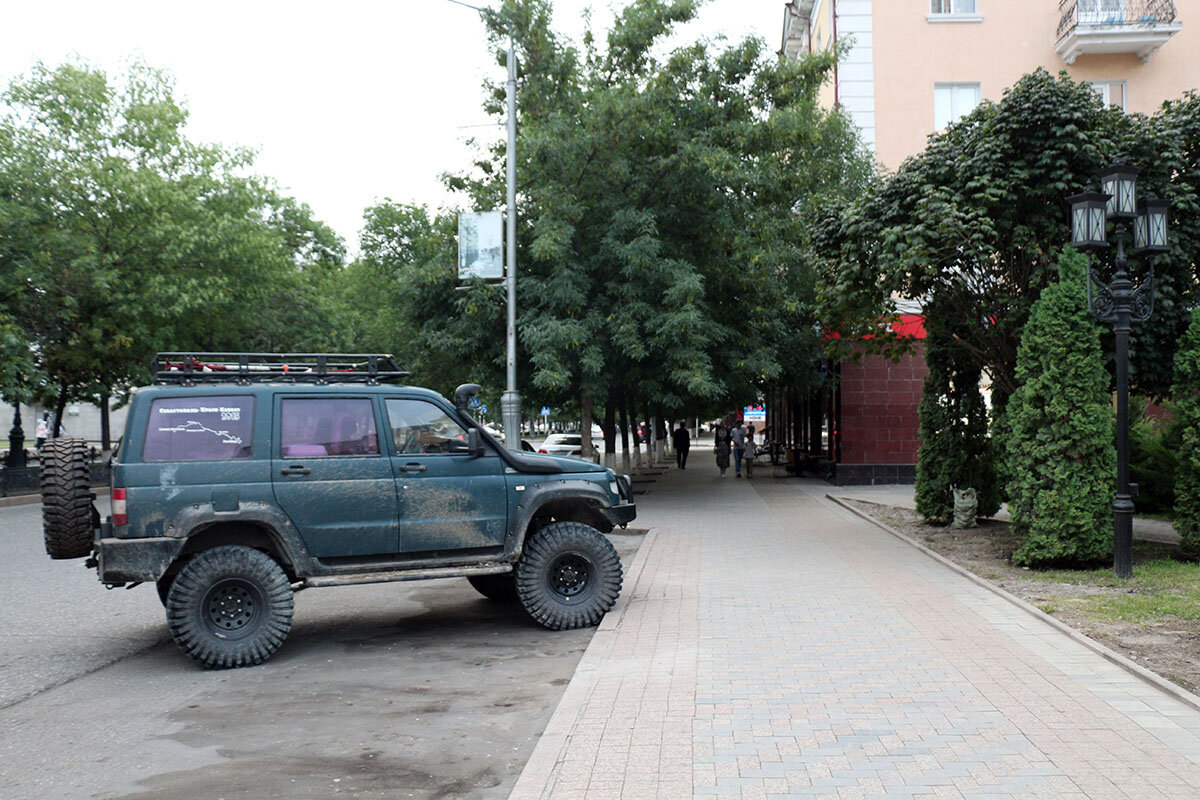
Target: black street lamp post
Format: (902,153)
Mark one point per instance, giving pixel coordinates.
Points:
(1121,303)
(16,441)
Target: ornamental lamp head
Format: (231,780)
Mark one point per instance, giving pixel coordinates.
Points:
(1150,226)
(1119,181)
(1088,220)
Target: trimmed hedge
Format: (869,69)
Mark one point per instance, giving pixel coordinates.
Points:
(1061,454)
(955,451)
(1186,392)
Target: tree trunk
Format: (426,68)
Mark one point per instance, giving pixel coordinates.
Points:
(664,434)
(635,426)
(651,437)
(624,434)
(59,409)
(105,430)
(610,433)
(585,412)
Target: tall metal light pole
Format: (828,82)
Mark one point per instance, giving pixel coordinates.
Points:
(1121,303)
(510,401)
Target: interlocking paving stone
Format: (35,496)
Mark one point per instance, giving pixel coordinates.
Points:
(775,645)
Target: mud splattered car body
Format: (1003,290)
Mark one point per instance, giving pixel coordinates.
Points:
(230,496)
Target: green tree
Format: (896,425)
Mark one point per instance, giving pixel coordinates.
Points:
(663,208)
(976,220)
(955,451)
(1186,392)
(120,237)
(1061,455)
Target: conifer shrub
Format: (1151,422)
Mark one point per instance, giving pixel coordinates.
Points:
(1186,391)
(1061,454)
(1153,458)
(955,451)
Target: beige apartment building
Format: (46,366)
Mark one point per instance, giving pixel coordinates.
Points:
(914,66)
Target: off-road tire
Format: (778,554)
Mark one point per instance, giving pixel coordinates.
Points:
(67,512)
(569,576)
(230,606)
(163,585)
(501,588)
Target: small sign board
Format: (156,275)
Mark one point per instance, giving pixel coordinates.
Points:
(545,411)
(481,245)
(754,413)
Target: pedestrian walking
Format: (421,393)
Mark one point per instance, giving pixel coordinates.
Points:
(722,446)
(43,430)
(749,451)
(738,436)
(682,442)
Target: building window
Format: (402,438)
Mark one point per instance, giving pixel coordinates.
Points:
(954,11)
(953,7)
(1112,93)
(1101,12)
(952,102)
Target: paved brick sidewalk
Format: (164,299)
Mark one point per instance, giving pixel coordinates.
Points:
(770,644)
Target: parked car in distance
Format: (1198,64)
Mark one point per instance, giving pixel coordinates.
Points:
(563,444)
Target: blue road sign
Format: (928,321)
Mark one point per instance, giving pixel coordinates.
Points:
(545,411)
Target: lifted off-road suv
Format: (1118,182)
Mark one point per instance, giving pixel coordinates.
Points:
(242,478)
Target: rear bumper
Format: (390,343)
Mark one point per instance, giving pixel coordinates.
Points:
(621,514)
(132,560)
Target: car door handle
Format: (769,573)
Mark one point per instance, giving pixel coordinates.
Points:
(295,469)
(413,468)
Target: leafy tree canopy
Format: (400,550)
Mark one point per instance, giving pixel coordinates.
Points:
(977,220)
(119,236)
(662,215)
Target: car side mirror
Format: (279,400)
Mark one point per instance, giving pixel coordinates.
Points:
(475,446)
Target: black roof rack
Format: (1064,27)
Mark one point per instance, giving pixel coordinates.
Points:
(188,369)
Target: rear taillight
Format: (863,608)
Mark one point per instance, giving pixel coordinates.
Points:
(543,450)
(119,515)
(576,452)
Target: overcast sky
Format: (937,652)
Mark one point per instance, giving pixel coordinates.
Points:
(346,103)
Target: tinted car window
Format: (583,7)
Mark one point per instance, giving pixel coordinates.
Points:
(421,427)
(319,427)
(192,428)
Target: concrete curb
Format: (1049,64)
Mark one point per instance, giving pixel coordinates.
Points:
(543,763)
(1133,668)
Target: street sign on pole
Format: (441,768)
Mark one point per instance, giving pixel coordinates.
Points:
(481,245)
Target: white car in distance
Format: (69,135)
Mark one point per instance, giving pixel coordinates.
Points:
(562,444)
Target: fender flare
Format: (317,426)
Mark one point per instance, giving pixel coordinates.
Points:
(194,519)
(539,494)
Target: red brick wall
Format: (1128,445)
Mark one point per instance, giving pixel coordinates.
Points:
(879,409)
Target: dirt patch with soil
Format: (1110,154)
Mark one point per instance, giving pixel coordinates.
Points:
(1169,646)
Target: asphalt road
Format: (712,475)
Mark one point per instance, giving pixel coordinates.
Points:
(422,690)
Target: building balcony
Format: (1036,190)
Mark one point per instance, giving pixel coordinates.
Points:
(1114,26)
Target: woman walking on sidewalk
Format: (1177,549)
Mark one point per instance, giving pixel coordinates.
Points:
(749,451)
(722,447)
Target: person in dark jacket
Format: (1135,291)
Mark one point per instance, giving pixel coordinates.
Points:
(681,440)
(721,446)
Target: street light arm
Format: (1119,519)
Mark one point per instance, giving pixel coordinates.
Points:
(1102,304)
(1143,297)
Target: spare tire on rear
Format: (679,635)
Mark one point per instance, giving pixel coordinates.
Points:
(67,514)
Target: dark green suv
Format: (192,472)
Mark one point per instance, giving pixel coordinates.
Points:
(242,478)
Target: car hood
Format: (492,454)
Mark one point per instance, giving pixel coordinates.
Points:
(545,464)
